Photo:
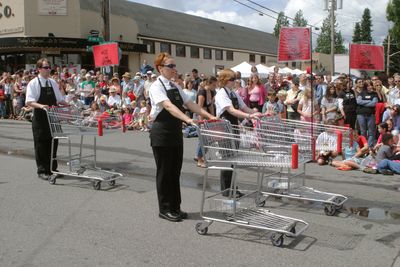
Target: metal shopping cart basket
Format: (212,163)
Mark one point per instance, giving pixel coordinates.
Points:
(67,122)
(283,183)
(222,150)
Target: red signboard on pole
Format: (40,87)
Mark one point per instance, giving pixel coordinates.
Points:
(106,55)
(294,44)
(367,57)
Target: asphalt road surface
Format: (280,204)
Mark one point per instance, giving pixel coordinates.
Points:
(71,224)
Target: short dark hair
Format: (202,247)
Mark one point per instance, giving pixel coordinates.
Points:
(384,125)
(195,70)
(386,138)
(40,62)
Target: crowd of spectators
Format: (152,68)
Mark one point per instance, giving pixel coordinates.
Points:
(370,105)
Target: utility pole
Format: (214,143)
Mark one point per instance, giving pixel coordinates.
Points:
(388,55)
(106,19)
(332,5)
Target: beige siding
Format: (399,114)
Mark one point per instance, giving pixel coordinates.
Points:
(13,26)
(61,26)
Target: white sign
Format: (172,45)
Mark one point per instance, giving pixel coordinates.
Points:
(11,30)
(52,7)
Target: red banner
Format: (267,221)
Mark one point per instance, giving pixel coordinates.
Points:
(106,55)
(367,57)
(294,44)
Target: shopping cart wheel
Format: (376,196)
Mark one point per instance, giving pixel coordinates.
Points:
(52,179)
(338,207)
(96,184)
(260,201)
(199,230)
(111,183)
(330,209)
(277,239)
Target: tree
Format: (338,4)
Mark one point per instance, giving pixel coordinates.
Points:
(366,27)
(324,39)
(393,15)
(299,20)
(281,21)
(357,33)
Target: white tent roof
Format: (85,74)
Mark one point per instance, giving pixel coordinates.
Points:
(297,71)
(244,68)
(285,70)
(264,70)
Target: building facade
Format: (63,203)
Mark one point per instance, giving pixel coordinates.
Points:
(63,31)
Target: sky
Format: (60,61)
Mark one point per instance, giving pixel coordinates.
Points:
(231,11)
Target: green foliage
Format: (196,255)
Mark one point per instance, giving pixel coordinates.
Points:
(324,39)
(366,27)
(393,15)
(299,20)
(357,33)
(281,21)
(394,64)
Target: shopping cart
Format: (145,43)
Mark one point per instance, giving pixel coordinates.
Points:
(282,183)
(311,131)
(67,122)
(223,150)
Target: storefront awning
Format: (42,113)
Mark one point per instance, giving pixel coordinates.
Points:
(57,42)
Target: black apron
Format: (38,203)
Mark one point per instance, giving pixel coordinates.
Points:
(166,129)
(235,103)
(40,124)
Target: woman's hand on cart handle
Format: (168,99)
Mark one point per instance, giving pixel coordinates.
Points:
(45,107)
(255,115)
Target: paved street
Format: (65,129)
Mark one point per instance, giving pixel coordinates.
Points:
(70,224)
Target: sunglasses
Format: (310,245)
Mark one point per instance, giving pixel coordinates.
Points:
(170,66)
(46,67)
(232,79)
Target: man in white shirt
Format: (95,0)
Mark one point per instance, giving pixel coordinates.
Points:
(113,98)
(42,93)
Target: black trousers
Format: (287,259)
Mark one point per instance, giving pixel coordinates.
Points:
(43,152)
(169,164)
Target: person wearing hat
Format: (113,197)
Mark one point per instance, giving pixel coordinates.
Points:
(167,113)
(113,99)
(41,93)
(138,88)
(115,83)
(127,83)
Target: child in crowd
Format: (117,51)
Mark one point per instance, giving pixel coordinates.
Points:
(271,108)
(382,129)
(306,106)
(143,116)
(353,155)
(326,144)
(281,99)
(385,154)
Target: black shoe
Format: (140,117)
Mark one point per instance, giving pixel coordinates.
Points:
(170,216)
(43,176)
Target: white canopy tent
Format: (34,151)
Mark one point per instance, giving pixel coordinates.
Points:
(245,69)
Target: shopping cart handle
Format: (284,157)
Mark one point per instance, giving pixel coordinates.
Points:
(208,121)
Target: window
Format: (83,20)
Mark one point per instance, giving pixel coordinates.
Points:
(165,47)
(194,52)
(262,60)
(207,53)
(252,58)
(180,50)
(150,46)
(229,55)
(219,55)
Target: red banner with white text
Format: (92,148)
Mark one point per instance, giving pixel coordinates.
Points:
(367,57)
(106,55)
(294,44)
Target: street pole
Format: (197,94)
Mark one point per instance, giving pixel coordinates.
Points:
(388,55)
(332,14)
(106,19)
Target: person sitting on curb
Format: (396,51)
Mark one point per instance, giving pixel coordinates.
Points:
(353,155)
(385,153)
